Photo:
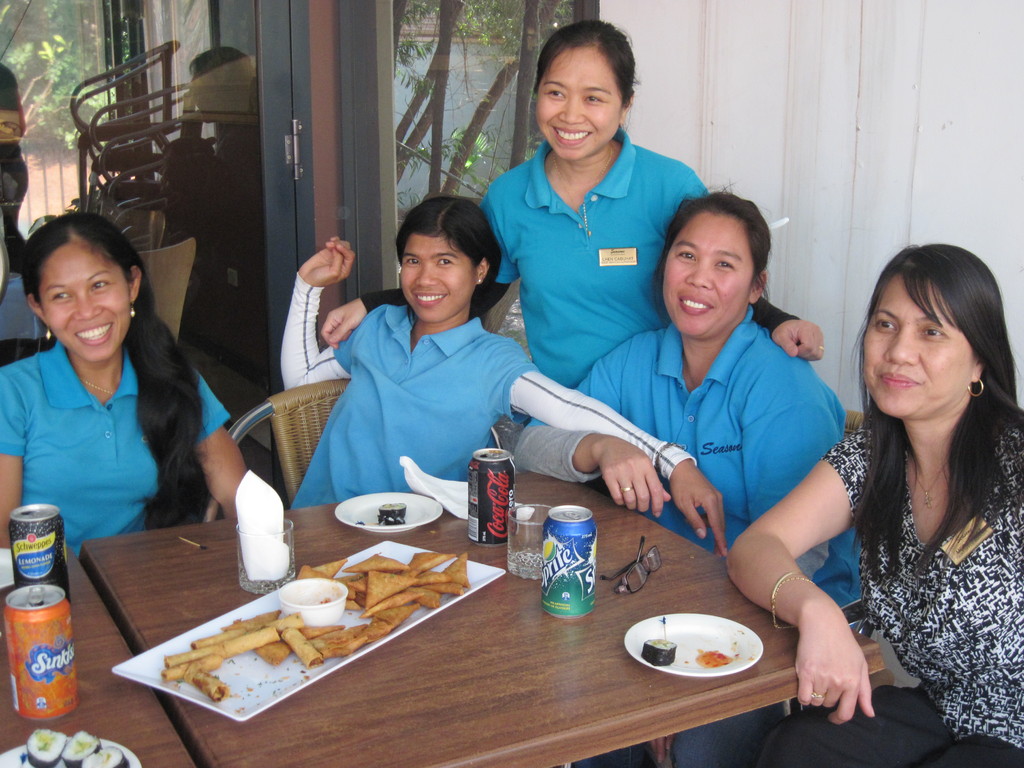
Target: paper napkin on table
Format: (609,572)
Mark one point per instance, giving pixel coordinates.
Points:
(261,517)
(453,495)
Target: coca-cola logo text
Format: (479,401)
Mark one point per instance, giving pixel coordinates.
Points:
(498,493)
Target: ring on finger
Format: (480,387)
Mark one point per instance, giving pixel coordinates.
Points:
(816,695)
(626,488)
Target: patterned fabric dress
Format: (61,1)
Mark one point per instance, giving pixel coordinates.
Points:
(959,628)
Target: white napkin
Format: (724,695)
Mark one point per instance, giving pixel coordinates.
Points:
(261,517)
(453,495)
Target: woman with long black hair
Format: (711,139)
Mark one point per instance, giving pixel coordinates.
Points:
(112,424)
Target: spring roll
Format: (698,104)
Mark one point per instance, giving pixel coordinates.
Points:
(228,648)
(274,653)
(207,683)
(308,655)
(218,638)
(206,664)
(254,623)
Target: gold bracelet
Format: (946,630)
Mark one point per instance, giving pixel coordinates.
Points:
(788,576)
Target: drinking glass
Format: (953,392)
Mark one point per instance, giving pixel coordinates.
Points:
(526,540)
(266,561)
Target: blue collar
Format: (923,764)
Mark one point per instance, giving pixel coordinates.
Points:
(540,194)
(670,356)
(65,390)
(449,342)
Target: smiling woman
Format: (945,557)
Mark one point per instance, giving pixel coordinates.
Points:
(111,425)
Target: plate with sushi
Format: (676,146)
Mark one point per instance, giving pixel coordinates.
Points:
(693,644)
(57,750)
(388,512)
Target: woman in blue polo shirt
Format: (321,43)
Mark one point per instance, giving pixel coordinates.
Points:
(582,222)
(111,425)
(756,419)
(427,381)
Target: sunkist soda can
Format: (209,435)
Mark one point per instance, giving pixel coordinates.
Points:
(41,651)
(37,547)
(568,581)
(492,482)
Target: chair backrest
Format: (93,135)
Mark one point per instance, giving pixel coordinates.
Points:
(169,270)
(495,316)
(297,418)
(854,420)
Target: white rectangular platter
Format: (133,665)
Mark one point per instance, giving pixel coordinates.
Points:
(255,684)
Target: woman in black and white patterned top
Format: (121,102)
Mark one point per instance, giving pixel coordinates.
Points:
(935,488)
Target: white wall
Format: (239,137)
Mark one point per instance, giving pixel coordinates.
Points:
(872,124)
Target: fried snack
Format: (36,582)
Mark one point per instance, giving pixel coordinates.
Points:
(206,664)
(426,597)
(445,588)
(395,616)
(342,643)
(207,683)
(377,563)
(329,570)
(457,570)
(228,648)
(424,561)
(309,572)
(394,601)
(217,639)
(291,621)
(310,632)
(308,655)
(274,653)
(254,623)
(431,577)
(352,605)
(380,584)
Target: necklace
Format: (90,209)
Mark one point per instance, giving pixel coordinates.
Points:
(928,501)
(565,181)
(96,387)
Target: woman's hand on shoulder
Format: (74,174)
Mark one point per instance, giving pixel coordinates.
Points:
(691,491)
(800,338)
(632,480)
(330,265)
(830,665)
(341,321)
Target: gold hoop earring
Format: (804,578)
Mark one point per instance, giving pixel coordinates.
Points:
(131,310)
(981,388)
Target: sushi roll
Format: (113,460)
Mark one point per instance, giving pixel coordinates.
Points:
(108,757)
(391,514)
(79,747)
(44,748)
(660,653)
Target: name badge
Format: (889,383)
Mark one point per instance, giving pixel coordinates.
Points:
(617,257)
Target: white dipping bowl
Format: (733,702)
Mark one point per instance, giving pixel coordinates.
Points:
(320,601)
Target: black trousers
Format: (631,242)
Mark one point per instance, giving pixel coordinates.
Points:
(906,731)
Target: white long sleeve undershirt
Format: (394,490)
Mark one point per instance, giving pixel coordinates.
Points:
(532,394)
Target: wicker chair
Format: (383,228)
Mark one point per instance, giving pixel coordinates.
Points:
(297,418)
(854,420)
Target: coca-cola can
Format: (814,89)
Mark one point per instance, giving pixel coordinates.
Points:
(492,481)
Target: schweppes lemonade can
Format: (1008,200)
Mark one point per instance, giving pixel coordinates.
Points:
(568,581)
(37,547)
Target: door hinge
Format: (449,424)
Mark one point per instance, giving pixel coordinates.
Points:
(292,155)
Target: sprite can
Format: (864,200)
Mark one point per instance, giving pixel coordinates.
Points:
(567,585)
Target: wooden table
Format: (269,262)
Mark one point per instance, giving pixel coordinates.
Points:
(490,681)
(108,706)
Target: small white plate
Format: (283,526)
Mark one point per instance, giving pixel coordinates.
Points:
(693,634)
(361,511)
(18,757)
(6,568)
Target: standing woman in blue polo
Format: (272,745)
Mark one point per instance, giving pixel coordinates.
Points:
(582,222)
(112,424)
